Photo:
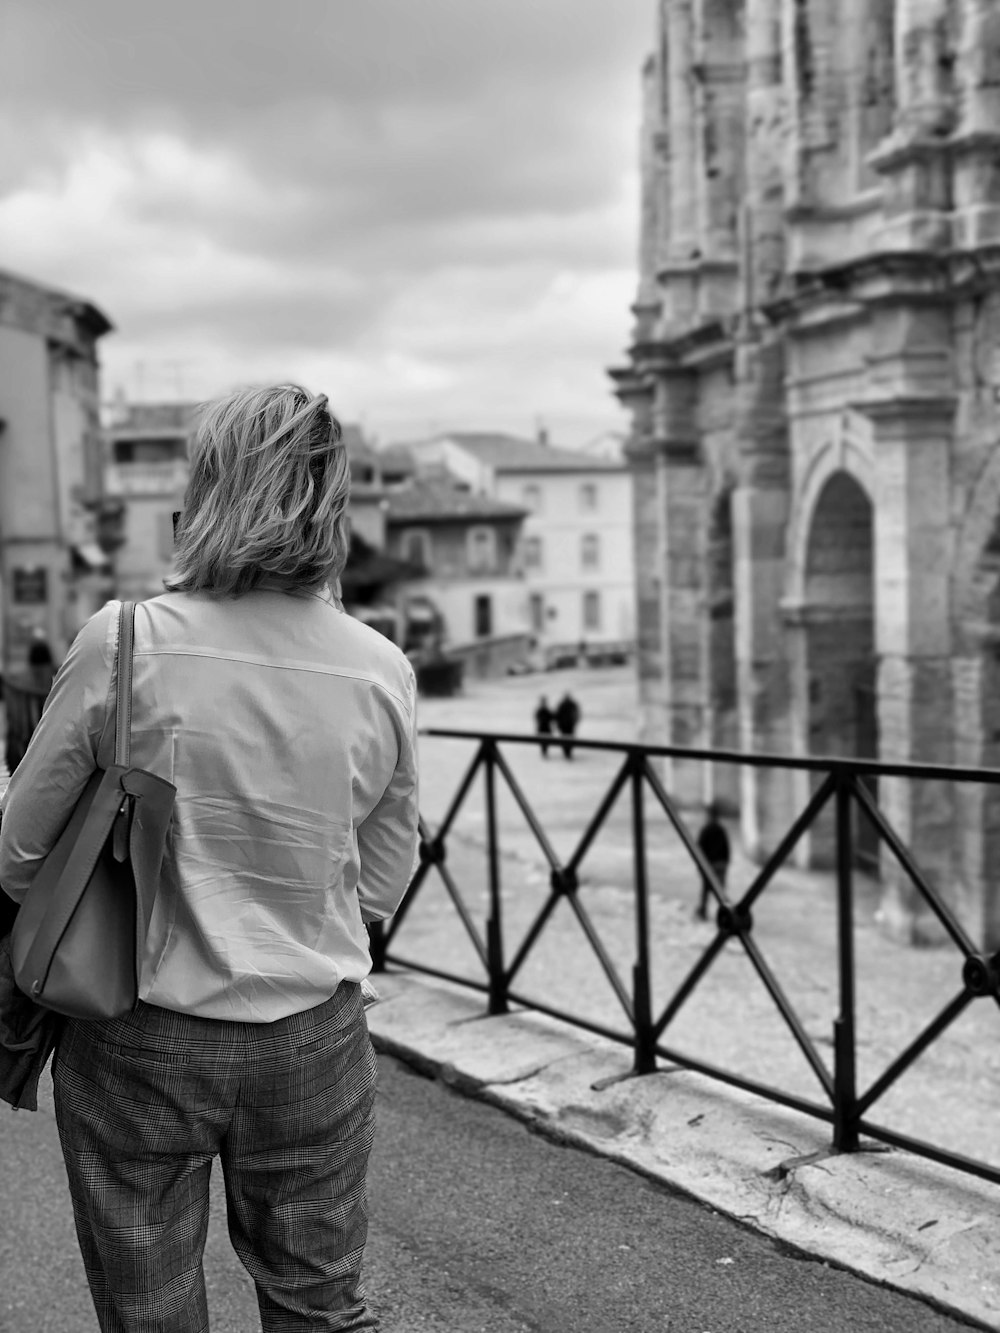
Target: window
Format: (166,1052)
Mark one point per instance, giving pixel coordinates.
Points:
(592,610)
(590,550)
(417,547)
(532,552)
(536,610)
(31,585)
(482,550)
(532,497)
(588,495)
(148,450)
(483,609)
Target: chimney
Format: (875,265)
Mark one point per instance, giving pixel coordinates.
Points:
(542,434)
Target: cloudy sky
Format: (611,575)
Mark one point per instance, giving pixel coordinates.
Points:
(426,208)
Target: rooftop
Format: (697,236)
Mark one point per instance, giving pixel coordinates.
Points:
(37,307)
(438,500)
(511,453)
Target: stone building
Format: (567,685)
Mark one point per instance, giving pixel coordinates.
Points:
(147,470)
(813,384)
(470,601)
(576,544)
(54,573)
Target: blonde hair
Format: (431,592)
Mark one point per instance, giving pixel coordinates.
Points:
(267,494)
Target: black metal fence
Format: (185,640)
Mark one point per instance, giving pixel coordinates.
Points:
(844,784)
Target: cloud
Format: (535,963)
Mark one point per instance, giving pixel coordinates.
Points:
(424,197)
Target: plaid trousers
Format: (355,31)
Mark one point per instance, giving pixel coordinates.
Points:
(145,1102)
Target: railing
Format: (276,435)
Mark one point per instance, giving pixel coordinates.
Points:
(840,783)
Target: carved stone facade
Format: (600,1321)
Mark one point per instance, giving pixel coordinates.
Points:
(814,385)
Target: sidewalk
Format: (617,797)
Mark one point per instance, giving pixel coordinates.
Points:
(899,1219)
(894,1218)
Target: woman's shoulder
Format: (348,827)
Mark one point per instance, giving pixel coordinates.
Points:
(380,654)
(101,630)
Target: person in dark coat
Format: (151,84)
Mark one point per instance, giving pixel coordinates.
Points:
(544,720)
(567,718)
(713,843)
(41,666)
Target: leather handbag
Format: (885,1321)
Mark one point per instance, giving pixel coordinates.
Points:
(78,937)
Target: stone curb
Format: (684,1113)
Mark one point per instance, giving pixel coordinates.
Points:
(893,1218)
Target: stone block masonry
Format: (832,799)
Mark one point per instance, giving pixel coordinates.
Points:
(814,385)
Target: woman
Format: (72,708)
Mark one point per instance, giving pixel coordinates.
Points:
(288,729)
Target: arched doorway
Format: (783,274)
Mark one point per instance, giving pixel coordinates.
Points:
(840,642)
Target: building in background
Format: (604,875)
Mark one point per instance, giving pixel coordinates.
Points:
(146,470)
(55,525)
(814,385)
(470,602)
(576,540)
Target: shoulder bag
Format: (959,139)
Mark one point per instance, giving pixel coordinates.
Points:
(78,937)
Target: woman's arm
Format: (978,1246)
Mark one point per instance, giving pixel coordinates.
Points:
(62,755)
(387,840)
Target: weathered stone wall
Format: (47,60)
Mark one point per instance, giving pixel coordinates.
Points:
(815,386)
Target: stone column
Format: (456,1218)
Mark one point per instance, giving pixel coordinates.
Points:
(810,77)
(976,142)
(760,520)
(718,74)
(680,241)
(915,159)
(913,443)
(681,495)
(635,392)
(761,499)
(653,173)
(923,81)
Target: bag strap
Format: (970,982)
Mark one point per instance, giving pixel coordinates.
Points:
(123,696)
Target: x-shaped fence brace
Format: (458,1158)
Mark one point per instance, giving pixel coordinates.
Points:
(842,782)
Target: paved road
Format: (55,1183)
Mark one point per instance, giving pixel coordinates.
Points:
(478,1226)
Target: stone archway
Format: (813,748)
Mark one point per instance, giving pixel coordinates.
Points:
(838,649)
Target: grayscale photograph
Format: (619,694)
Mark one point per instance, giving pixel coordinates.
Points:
(500,666)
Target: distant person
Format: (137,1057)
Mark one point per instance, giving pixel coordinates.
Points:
(24,697)
(713,843)
(567,720)
(41,666)
(544,722)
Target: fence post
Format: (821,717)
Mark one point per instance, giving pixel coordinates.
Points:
(845,1129)
(645,1040)
(494,923)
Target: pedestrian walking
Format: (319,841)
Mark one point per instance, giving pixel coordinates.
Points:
(713,843)
(567,720)
(544,721)
(288,729)
(41,665)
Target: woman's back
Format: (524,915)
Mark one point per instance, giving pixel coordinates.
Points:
(284,724)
